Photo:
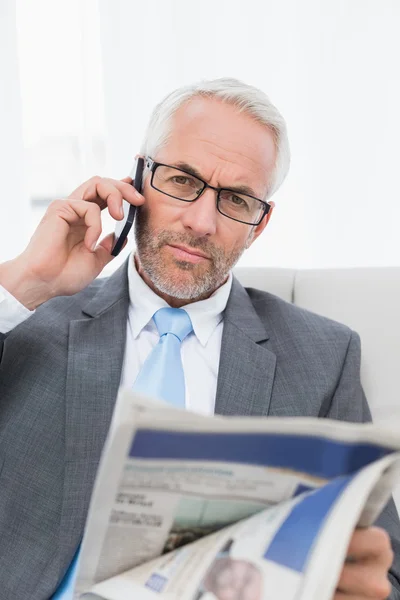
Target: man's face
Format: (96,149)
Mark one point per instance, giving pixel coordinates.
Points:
(186,250)
(237,580)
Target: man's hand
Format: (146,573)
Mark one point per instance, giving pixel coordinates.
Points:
(62,257)
(365,572)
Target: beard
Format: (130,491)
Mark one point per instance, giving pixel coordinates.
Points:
(178,278)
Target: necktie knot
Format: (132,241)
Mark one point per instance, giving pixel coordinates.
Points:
(173,320)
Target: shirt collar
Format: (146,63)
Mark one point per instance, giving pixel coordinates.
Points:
(204,314)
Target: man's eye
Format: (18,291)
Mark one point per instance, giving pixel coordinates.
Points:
(240,202)
(182,180)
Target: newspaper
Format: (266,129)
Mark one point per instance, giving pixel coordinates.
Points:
(188,507)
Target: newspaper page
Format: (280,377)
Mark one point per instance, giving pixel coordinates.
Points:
(291,551)
(168,478)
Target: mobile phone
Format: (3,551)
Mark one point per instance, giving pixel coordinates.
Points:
(123,227)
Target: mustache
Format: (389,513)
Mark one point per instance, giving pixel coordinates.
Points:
(167,237)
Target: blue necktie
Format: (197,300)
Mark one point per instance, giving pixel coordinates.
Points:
(161,376)
(66,587)
(162,372)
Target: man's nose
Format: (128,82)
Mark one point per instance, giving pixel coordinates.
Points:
(201,215)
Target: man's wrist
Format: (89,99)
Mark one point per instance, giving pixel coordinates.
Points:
(16,279)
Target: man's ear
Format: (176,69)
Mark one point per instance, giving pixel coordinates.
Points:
(260,228)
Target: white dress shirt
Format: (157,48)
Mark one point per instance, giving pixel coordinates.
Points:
(200,351)
(12,312)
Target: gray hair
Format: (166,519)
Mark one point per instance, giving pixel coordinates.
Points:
(245,97)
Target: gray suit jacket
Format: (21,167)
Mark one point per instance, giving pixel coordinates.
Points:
(59,376)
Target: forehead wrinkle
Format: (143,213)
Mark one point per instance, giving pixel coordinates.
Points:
(241,154)
(236,179)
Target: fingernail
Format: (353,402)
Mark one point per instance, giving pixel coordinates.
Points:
(121,211)
(93,248)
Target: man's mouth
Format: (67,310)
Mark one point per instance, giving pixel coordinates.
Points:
(186,253)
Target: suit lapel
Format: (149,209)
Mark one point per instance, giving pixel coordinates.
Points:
(247,366)
(95,356)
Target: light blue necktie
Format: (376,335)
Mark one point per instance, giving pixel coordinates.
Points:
(162,372)
(161,376)
(66,588)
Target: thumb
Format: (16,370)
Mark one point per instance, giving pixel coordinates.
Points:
(103,251)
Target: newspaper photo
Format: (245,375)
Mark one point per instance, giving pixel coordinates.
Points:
(187,507)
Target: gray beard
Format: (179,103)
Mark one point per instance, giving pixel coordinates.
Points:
(202,284)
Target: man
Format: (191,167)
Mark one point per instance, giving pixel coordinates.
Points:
(249,352)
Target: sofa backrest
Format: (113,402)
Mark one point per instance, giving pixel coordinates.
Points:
(365,299)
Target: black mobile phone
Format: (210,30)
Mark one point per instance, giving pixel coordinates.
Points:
(123,227)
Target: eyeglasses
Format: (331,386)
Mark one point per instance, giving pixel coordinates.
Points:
(183,185)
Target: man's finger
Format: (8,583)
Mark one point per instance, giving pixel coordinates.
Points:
(74,212)
(103,250)
(372,542)
(88,188)
(108,193)
(364,580)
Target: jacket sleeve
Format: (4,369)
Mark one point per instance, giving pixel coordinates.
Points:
(350,404)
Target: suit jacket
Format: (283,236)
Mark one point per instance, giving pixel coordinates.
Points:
(59,376)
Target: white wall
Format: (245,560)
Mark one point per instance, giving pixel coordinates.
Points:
(14,201)
(332,69)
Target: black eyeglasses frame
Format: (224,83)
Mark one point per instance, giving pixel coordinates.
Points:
(152,166)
